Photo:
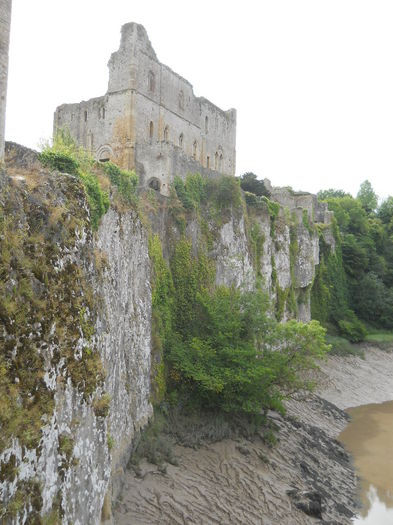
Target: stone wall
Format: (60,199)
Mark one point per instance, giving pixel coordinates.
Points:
(148,105)
(5,23)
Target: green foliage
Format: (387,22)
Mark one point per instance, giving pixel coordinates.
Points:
(374,300)
(65,156)
(98,200)
(330,296)
(191,192)
(367,197)
(154,445)
(190,276)
(242,360)
(306,222)
(225,192)
(125,181)
(385,212)
(257,240)
(343,347)
(60,161)
(250,183)
(332,194)
(162,320)
(367,258)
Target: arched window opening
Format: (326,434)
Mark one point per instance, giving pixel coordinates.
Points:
(208,162)
(206,125)
(85,116)
(151,81)
(181,100)
(216,161)
(181,139)
(103,113)
(166,134)
(151,130)
(195,149)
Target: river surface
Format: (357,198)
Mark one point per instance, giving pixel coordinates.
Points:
(369,438)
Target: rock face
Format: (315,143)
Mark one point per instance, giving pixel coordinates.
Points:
(124,329)
(89,433)
(83,346)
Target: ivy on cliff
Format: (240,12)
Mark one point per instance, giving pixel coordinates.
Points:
(220,347)
(65,156)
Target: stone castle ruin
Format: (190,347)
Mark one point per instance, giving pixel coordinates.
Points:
(5,23)
(150,120)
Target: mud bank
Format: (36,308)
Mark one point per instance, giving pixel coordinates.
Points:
(352,381)
(306,478)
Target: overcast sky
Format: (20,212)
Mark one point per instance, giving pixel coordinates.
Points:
(312,80)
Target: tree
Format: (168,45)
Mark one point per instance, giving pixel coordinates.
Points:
(249,182)
(332,194)
(367,197)
(385,211)
(239,359)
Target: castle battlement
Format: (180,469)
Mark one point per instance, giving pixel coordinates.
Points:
(150,119)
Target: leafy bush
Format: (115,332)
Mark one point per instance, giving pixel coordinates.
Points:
(61,161)
(125,181)
(98,200)
(353,329)
(65,156)
(191,192)
(242,361)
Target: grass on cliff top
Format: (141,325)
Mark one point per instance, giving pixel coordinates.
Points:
(97,179)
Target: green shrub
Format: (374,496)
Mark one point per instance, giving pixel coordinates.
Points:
(98,200)
(192,191)
(352,329)
(125,181)
(60,161)
(65,156)
(241,361)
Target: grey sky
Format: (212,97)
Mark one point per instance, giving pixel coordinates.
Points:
(312,80)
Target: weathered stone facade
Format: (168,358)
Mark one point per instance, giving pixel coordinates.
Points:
(5,23)
(150,120)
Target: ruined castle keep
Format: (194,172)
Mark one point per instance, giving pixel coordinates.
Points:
(150,120)
(5,23)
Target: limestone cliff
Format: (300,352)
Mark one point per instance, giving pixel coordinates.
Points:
(76,323)
(90,341)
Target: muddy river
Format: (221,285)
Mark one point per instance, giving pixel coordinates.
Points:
(369,438)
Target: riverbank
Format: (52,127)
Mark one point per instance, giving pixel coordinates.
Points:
(353,381)
(307,477)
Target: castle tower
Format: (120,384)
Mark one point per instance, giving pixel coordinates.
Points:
(5,23)
(151,120)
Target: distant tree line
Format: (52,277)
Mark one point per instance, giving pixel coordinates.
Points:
(353,286)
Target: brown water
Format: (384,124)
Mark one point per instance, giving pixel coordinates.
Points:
(369,438)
